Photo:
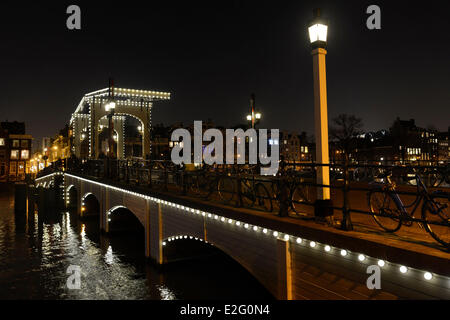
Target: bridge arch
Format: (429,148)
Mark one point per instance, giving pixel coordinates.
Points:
(121,122)
(90,205)
(122,219)
(71,197)
(200,247)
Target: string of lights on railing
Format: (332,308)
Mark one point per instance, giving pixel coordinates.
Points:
(313,245)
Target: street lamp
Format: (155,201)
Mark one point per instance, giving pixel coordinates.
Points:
(318,30)
(254,117)
(109,107)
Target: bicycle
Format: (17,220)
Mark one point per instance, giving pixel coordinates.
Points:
(390,213)
(204,183)
(255,194)
(293,183)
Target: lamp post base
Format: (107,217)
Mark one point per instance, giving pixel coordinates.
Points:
(323,208)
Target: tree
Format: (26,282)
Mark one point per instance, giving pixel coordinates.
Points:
(344,130)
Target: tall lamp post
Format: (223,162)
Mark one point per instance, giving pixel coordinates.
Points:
(318,36)
(254,117)
(110,106)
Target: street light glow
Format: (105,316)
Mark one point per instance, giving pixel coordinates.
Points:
(258,115)
(249,117)
(318,32)
(110,105)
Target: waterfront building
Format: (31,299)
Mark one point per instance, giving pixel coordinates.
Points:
(15,151)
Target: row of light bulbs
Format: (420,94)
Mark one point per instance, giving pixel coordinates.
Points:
(129,93)
(181,237)
(276,234)
(125,102)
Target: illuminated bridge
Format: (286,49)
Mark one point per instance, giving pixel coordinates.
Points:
(89,122)
(293,259)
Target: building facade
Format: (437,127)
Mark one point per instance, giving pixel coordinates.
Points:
(15,151)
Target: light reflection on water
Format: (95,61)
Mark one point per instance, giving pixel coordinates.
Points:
(34,257)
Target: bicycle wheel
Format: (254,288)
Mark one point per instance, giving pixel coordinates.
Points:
(263,198)
(192,183)
(384,210)
(247,194)
(202,185)
(434,180)
(300,194)
(437,210)
(225,188)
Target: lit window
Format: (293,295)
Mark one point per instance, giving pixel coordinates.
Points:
(12,168)
(25,154)
(14,154)
(2,142)
(16,143)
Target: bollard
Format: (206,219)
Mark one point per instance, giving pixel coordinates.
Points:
(183,182)
(346,223)
(239,193)
(20,198)
(150,176)
(51,202)
(41,202)
(283,199)
(166,179)
(30,200)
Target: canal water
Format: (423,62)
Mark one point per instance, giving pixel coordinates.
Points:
(35,255)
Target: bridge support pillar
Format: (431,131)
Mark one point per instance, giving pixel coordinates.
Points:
(80,199)
(147,229)
(284,270)
(154,233)
(105,215)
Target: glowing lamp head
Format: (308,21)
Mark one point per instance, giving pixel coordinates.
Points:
(249,117)
(110,106)
(318,31)
(258,115)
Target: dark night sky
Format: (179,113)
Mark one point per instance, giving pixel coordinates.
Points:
(213,54)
